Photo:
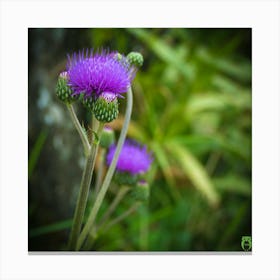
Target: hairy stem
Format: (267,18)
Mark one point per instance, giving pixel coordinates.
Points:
(110,172)
(84,189)
(79,128)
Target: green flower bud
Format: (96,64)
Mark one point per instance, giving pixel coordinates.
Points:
(125,178)
(135,58)
(141,191)
(107,137)
(88,103)
(106,107)
(63,91)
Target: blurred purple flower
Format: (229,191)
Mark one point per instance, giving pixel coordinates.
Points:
(133,158)
(94,73)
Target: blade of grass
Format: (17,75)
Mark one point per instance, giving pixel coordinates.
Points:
(163,51)
(232,228)
(163,162)
(66,224)
(195,171)
(233,184)
(241,70)
(36,151)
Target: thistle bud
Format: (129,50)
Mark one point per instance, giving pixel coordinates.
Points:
(63,91)
(107,137)
(88,103)
(141,191)
(106,107)
(125,178)
(135,58)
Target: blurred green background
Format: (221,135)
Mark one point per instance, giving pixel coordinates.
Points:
(192,108)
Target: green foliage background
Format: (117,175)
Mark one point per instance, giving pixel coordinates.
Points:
(192,108)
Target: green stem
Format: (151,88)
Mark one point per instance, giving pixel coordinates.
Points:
(120,195)
(91,238)
(100,171)
(93,234)
(109,175)
(94,124)
(84,189)
(79,128)
(133,208)
(144,228)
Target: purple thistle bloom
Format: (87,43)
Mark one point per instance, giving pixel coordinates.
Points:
(108,96)
(94,73)
(133,158)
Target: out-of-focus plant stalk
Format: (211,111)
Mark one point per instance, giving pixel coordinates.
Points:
(110,172)
(120,195)
(84,189)
(132,209)
(79,128)
(99,170)
(105,227)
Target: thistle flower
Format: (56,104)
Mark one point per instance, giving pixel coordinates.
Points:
(134,158)
(91,74)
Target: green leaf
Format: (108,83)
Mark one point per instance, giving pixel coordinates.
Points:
(50,228)
(163,51)
(195,172)
(234,184)
(241,70)
(218,102)
(96,138)
(36,151)
(164,164)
